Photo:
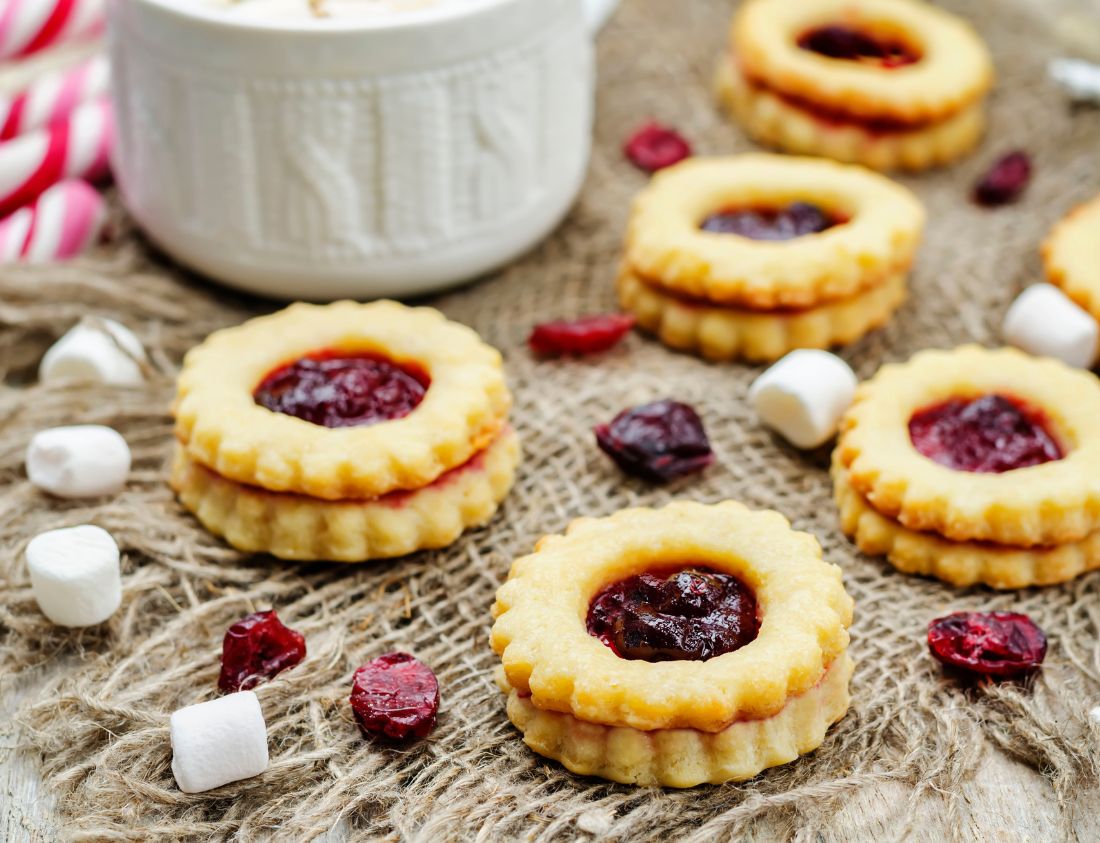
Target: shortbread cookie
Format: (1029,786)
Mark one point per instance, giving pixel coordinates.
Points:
(798,127)
(959,563)
(979,445)
(425,395)
(1072,256)
(904,61)
(292,526)
(686,757)
(747,668)
(727,333)
(769,231)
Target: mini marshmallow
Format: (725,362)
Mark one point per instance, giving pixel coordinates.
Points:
(95,350)
(803,396)
(218,742)
(1044,321)
(75,575)
(81,461)
(1080,79)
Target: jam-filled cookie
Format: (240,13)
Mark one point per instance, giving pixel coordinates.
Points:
(1072,256)
(755,255)
(975,466)
(345,432)
(886,83)
(676,646)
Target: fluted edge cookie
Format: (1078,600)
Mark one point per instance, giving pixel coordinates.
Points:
(954,68)
(961,564)
(778,122)
(1071,255)
(221,426)
(729,333)
(881,228)
(686,757)
(1051,503)
(548,654)
(296,527)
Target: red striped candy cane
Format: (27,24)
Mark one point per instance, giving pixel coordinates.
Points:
(27,26)
(76,148)
(53,97)
(60,224)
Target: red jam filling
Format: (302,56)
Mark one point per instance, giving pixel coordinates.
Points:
(335,389)
(795,220)
(989,435)
(681,614)
(851,44)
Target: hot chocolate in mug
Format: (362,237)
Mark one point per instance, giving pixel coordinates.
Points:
(386,148)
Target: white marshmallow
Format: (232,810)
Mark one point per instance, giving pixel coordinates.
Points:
(75,575)
(95,350)
(1080,79)
(803,396)
(1094,715)
(218,742)
(1044,321)
(81,461)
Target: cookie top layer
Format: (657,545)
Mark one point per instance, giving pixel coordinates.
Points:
(222,426)
(548,654)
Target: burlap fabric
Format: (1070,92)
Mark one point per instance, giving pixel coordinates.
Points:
(100,728)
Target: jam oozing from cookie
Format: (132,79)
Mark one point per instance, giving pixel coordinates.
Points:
(336,389)
(851,44)
(989,435)
(684,614)
(795,220)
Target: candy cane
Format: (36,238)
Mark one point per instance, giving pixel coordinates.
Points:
(62,223)
(53,97)
(74,148)
(27,26)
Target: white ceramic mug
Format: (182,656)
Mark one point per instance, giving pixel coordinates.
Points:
(344,157)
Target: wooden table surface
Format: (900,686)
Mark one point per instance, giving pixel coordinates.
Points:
(1004,803)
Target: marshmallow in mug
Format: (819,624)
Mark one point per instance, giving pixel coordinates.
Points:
(218,742)
(804,396)
(1044,321)
(75,575)
(95,350)
(78,461)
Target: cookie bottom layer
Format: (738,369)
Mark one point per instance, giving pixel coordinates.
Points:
(302,528)
(958,563)
(718,332)
(775,121)
(686,757)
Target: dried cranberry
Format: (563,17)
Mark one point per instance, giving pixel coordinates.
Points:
(342,390)
(256,648)
(588,335)
(843,42)
(795,220)
(659,441)
(1005,181)
(997,644)
(689,614)
(988,435)
(395,695)
(654,147)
